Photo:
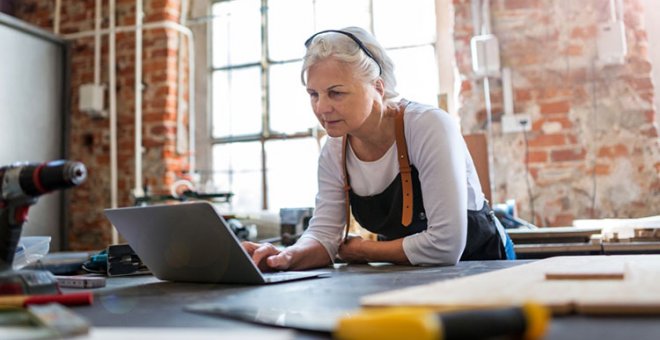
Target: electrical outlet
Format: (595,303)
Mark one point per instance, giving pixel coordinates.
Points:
(518,122)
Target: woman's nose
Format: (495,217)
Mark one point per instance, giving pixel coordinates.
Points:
(323,104)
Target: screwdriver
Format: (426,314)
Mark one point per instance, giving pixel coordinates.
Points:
(528,321)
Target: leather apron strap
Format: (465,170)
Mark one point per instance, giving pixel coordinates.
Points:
(404,167)
(347,186)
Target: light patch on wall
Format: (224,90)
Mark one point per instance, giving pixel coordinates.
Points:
(551,127)
(619,188)
(552,175)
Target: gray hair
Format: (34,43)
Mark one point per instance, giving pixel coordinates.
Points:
(345,50)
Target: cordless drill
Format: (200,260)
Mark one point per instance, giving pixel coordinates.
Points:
(20,186)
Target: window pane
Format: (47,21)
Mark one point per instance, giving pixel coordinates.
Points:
(335,14)
(290,109)
(291,166)
(237,168)
(416,73)
(236,32)
(404,23)
(286,37)
(237,102)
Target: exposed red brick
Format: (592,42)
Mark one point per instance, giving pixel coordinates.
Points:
(571,138)
(641,83)
(537,156)
(651,132)
(548,93)
(534,172)
(547,140)
(563,106)
(466,85)
(584,32)
(602,169)
(613,151)
(639,65)
(566,155)
(573,51)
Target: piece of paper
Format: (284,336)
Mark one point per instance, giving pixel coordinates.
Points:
(140,333)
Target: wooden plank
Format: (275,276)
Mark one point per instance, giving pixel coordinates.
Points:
(556,248)
(477,144)
(585,276)
(637,293)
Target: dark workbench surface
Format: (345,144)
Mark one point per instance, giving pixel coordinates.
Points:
(144,301)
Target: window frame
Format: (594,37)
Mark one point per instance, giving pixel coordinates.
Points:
(265,64)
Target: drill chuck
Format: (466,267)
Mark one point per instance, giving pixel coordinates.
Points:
(36,179)
(39,179)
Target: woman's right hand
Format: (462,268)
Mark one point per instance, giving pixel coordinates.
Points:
(267,257)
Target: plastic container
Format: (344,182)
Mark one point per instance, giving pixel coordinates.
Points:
(30,249)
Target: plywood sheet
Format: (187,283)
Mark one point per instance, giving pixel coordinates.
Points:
(637,293)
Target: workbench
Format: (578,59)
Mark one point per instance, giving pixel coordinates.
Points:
(557,241)
(144,301)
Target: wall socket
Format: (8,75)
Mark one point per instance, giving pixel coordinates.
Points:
(518,122)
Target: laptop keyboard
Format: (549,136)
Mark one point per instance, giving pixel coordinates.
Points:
(287,276)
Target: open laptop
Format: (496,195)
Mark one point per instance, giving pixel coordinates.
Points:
(191,242)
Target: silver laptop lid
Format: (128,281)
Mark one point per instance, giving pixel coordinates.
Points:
(187,242)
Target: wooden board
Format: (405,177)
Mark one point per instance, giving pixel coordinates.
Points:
(637,293)
(478,147)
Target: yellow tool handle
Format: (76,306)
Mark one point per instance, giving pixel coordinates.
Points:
(528,321)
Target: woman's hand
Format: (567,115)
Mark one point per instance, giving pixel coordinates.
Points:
(267,257)
(351,251)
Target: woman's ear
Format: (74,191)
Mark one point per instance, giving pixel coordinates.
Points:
(379,86)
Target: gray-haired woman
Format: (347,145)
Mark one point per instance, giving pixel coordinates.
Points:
(402,168)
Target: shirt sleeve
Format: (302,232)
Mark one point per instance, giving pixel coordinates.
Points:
(437,149)
(329,218)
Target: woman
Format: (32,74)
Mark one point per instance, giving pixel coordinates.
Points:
(419,191)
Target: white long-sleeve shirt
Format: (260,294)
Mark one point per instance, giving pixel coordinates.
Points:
(449,182)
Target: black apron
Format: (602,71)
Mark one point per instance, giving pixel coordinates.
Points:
(381,214)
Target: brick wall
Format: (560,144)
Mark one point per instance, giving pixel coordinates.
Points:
(593,148)
(90,137)
(593,142)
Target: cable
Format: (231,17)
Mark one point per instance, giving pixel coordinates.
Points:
(529,185)
(594,106)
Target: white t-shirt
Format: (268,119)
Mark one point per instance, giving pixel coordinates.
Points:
(449,182)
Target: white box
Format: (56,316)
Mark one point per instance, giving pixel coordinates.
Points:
(91,99)
(516,123)
(611,43)
(485,51)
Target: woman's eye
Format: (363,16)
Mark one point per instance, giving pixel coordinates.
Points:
(334,93)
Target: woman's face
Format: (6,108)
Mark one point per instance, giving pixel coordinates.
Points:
(341,101)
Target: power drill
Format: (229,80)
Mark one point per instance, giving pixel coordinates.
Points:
(20,186)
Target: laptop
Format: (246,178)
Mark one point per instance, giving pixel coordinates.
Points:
(191,242)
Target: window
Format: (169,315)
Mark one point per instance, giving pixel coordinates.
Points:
(264,134)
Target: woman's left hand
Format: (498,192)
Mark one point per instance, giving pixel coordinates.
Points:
(351,251)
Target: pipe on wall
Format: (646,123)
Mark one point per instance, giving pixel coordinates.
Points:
(139,19)
(191,89)
(113,112)
(97,43)
(56,19)
(180,147)
(112,30)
